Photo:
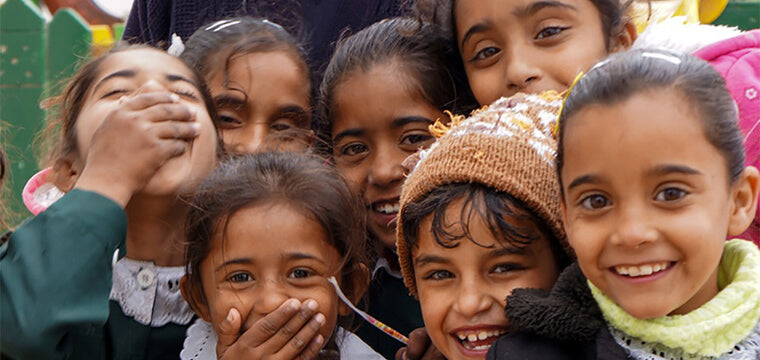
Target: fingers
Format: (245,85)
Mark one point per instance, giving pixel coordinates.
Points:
(177,130)
(312,351)
(228,331)
(420,346)
(267,326)
(308,334)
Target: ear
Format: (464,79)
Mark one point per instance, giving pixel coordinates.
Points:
(744,195)
(625,37)
(194,297)
(65,174)
(359,281)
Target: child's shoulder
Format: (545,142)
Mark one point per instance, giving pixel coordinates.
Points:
(564,323)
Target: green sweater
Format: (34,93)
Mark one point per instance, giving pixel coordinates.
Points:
(55,281)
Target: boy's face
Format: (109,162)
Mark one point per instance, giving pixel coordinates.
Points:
(380,119)
(527,45)
(463,289)
(647,203)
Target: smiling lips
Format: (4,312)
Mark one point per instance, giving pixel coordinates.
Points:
(479,340)
(642,270)
(387,208)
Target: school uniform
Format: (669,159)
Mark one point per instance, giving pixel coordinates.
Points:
(390,302)
(577,321)
(64,295)
(321,21)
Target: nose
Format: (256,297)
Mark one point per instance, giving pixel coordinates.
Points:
(386,169)
(472,299)
(251,139)
(634,227)
(151,86)
(270,294)
(522,70)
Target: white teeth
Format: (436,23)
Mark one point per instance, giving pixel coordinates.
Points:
(472,337)
(388,208)
(482,335)
(462,337)
(642,270)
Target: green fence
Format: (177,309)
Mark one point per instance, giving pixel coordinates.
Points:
(34,54)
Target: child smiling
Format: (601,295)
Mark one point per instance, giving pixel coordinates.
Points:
(653,180)
(480,217)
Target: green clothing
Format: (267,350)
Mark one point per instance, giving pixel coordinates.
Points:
(55,281)
(390,302)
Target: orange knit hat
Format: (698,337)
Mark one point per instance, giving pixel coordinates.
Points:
(508,146)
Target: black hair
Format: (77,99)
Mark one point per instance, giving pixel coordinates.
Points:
(626,74)
(239,36)
(613,14)
(510,220)
(303,181)
(422,51)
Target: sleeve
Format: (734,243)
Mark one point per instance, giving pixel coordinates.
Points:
(149,22)
(55,276)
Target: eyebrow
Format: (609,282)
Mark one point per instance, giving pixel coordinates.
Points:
(537,6)
(507,250)
(131,74)
(229,101)
(585,179)
(301,256)
(661,170)
(475,29)
(395,124)
(430,259)
(237,261)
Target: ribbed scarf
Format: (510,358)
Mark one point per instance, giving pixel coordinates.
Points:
(714,328)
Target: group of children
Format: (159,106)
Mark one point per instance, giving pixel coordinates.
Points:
(208,214)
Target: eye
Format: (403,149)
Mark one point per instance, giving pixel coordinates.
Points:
(439,275)
(240,277)
(186,93)
(670,194)
(114,92)
(415,139)
(485,53)
(595,202)
(280,126)
(229,122)
(353,149)
(506,268)
(550,31)
(301,273)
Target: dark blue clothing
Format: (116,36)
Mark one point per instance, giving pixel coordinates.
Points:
(321,21)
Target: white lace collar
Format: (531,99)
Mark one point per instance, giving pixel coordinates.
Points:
(200,344)
(149,293)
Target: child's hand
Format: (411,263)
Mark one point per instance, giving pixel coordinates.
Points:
(290,332)
(133,141)
(420,347)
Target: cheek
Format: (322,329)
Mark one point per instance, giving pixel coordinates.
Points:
(485,84)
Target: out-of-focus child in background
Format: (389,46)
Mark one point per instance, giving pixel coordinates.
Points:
(528,45)
(383,88)
(653,180)
(97,274)
(259,79)
(480,216)
(266,232)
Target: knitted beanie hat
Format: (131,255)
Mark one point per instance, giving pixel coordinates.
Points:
(507,146)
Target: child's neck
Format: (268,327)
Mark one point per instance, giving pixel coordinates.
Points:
(155,230)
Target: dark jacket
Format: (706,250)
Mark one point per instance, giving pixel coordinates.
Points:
(321,22)
(564,324)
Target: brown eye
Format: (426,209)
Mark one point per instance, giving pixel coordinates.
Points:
(594,202)
(670,194)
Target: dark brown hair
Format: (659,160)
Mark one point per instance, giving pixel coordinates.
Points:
(424,54)
(59,138)
(626,74)
(303,181)
(613,14)
(509,220)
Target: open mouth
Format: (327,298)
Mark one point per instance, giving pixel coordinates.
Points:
(387,207)
(478,340)
(642,270)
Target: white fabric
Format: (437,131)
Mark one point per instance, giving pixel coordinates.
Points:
(200,344)
(149,293)
(383,264)
(675,35)
(747,349)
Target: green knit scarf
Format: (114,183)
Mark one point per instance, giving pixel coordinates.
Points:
(715,327)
